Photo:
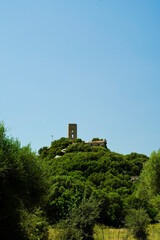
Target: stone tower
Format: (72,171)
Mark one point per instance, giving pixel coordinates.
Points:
(72,131)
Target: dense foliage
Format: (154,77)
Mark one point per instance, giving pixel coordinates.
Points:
(136,222)
(82,171)
(57,185)
(22,187)
(79,225)
(149,188)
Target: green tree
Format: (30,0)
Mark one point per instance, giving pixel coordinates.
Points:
(96,139)
(22,185)
(81,220)
(136,222)
(149,187)
(34,224)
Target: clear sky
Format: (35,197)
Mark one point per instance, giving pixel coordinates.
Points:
(91,62)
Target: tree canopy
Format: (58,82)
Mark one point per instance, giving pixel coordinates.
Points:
(82,171)
(37,190)
(22,185)
(149,187)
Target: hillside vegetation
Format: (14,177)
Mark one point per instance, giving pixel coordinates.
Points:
(73,185)
(83,172)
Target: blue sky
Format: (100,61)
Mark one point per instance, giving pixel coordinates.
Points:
(91,62)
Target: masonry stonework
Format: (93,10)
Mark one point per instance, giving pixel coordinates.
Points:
(72,131)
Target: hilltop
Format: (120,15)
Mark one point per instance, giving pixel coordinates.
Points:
(80,171)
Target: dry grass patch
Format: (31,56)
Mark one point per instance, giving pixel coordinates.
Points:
(106,233)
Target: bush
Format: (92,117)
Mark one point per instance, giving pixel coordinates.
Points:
(70,233)
(81,220)
(34,224)
(136,222)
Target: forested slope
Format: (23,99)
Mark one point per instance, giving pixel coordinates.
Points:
(84,172)
(67,179)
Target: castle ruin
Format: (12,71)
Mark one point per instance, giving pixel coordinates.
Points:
(72,131)
(72,135)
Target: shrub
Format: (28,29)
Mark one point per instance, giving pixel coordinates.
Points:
(81,220)
(136,222)
(34,224)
